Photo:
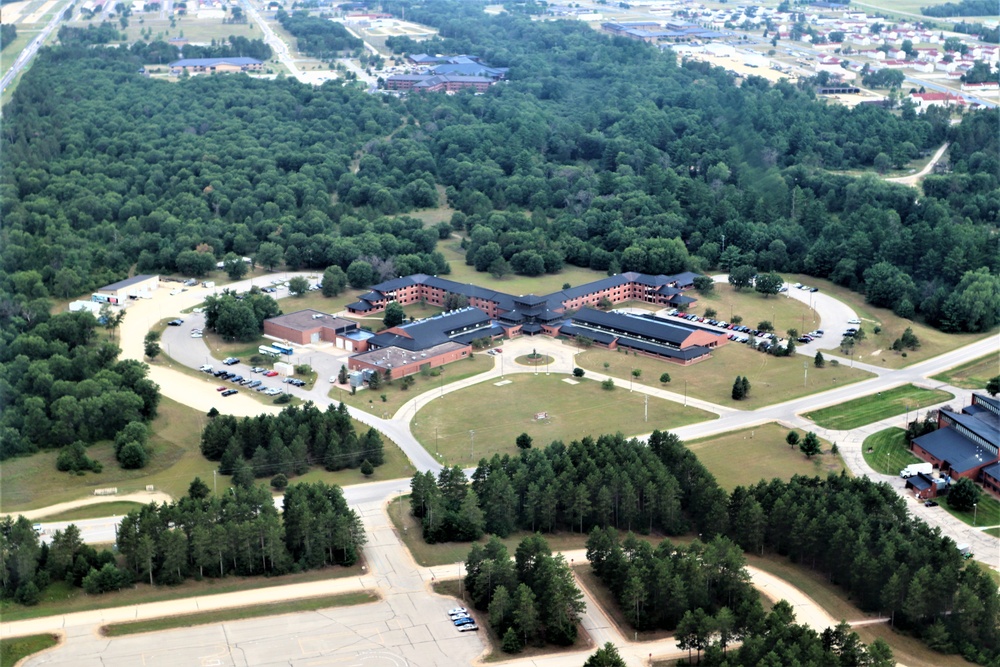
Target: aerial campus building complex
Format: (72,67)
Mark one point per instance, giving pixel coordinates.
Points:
(491,314)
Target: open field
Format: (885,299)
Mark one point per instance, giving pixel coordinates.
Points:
(972,374)
(742,458)
(886,451)
(113,508)
(876,348)
(61,598)
(396,396)
(573,411)
(238,614)
(15,649)
(772,379)
(782,312)
(987,512)
(875,407)
(189,27)
(32,481)
(396,465)
(444,553)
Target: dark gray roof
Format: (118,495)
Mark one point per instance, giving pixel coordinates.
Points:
(436,330)
(128,282)
(992,470)
(304,320)
(209,62)
(947,444)
(688,353)
(596,336)
(983,424)
(920,482)
(360,305)
(655,331)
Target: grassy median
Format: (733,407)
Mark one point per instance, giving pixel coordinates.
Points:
(14,649)
(875,407)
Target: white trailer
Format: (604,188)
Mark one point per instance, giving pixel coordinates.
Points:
(916,469)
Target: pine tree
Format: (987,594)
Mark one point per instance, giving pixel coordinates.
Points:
(746,387)
(818,360)
(738,392)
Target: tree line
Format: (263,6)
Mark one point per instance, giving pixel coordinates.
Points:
(531,600)
(961,8)
(8,33)
(607,482)
(239,316)
(234,46)
(61,385)
(862,537)
(239,533)
(288,443)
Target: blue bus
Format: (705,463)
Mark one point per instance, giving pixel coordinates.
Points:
(283,349)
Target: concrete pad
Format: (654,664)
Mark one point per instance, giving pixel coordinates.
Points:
(568,381)
(501,383)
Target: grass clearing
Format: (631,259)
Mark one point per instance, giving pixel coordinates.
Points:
(61,598)
(972,374)
(570,412)
(876,348)
(762,454)
(113,508)
(396,466)
(396,396)
(31,482)
(772,379)
(986,513)
(874,407)
(907,650)
(606,601)
(887,452)
(238,613)
(15,649)
(782,312)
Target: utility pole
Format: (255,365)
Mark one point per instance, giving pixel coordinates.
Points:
(472,445)
(645,414)
(214,474)
(805,373)
(685,392)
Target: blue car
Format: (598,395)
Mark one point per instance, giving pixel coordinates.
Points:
(463,621)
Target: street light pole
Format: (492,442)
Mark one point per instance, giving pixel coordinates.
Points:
(975,514)
(685,392)
(472,445)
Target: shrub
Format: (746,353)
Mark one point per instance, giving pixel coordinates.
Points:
(511,641)
(665,378)
(133,456)
(279,481)
(367,469)
(287,398)
(578,372)
(608,385)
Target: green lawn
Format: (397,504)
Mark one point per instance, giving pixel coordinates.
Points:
(61,598)
(572,412)
(742,458)
(972,374)
(986,514)
(772,379)
(189,27)
(396,396)
(15,649)
(31,482)
(886,451)
(782,312)
(396,466)
(875,407)
(876,348)
(112,508)
(238,613)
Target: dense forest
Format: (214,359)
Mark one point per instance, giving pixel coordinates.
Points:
(57,376)
(317,36)
(288,443)
(240,533)
(608,482)
(8,33)
(856,532)
(962,8)
(532,599)
(597,152)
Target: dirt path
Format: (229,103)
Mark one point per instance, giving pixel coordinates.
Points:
(914,179)
(144,497)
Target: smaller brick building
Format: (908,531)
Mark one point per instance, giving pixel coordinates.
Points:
(311,326)
(407,362)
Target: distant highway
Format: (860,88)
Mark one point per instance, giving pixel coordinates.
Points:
(29,52)
(277,44)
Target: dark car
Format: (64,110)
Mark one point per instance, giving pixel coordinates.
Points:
(236,378)
(230,392)
(219,373)
(175,323)
(930,503)
(231,361)
(813,289)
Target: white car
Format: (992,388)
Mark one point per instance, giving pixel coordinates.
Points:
(175,292)
(457,610)
(854,321)
(205,368)
(196,335)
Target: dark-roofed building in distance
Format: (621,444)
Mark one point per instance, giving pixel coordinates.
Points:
(567,312)
(311,326)
(437,83)
(215,65)
(966,443)
(117,293)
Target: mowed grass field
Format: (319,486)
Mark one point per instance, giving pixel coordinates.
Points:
(111,508)
(15,649)
(772,379)
(396,396)
(973,374)
(876,348)
(875,407)
(32,482)
(499,414)
(886,451)
(744,457)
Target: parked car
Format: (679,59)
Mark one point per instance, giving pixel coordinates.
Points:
(257,369)
(230,392)
(468,628)
(231,361)
(221,389)
(219,373)
(196,335)
(271,374)
(236,378)
(854,321)
(813,289)
(930,503)
(463,621)
(254,383)
(458,610)
(175,323)
(205,368)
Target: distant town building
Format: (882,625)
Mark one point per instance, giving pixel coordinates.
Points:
(215,65)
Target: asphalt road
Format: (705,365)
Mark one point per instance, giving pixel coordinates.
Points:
(31,50)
